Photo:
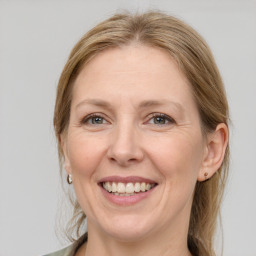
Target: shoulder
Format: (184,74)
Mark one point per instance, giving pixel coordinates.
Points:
(71,249)
(68,251)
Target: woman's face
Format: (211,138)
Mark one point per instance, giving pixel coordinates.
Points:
(134,129)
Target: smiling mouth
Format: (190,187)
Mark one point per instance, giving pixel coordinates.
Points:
(127,189)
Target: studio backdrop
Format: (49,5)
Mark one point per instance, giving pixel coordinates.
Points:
(35,40)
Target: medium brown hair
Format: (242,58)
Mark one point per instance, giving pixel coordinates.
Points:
(195,59)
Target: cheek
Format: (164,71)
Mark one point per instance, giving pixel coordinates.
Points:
(84,154)
(177,157)
(178,160)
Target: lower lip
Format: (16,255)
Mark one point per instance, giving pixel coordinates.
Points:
(126,200)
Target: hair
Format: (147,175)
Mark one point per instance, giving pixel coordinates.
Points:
(195,59)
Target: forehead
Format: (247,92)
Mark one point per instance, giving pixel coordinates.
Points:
(134,58)
(137,72)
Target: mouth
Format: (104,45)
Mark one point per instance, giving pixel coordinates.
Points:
(127,188)
(122,190)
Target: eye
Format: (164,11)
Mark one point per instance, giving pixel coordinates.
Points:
(161,119)
(93,119)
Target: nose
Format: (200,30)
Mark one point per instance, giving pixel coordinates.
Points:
(125,147)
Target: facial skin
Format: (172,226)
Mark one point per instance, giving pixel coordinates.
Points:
(130,89)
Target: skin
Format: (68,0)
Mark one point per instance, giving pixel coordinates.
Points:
(129,141)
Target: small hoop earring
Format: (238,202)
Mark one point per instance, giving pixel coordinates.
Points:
(69,179)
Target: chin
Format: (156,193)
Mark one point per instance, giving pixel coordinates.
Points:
(129,236)
(129,229)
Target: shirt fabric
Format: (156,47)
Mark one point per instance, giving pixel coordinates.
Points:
(71,249)
(68,251)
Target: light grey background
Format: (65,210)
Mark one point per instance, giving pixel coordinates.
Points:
(35,40)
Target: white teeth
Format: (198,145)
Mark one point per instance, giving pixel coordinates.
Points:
(148,186)
(124,194)
(107,186)
(114,187)
(129,188)
(126,189)
(143,186)
(120,188)
(137,187)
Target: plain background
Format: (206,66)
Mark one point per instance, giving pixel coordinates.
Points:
(35,40)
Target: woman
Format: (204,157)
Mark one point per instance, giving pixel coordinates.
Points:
(141,119)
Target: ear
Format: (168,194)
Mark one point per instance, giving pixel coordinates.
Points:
(63,143)
(217,142)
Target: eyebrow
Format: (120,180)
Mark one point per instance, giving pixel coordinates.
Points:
(143,104)
(95,102)
(155,103)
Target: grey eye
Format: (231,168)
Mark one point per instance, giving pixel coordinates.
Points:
(160,120)
(97,120)
(93,119)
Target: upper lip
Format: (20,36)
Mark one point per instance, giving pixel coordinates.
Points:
(132,179)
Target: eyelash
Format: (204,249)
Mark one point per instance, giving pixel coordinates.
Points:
(87,118)
(164,116)
(167,118)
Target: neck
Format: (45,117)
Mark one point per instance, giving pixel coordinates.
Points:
(164,244)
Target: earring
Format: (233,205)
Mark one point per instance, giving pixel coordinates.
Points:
(69,179)
(205,175)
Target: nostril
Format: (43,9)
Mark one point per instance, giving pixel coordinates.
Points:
(125,153)
(123,161)
(132,160)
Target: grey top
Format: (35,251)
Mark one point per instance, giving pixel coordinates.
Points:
(68,251)
(71,249)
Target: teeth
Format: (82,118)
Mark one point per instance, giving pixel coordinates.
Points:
(148,187)
(120,188)
(137,187)
(126,189)
(143,186)
(124,194)
(114,187)
(129,188)
(107,186)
